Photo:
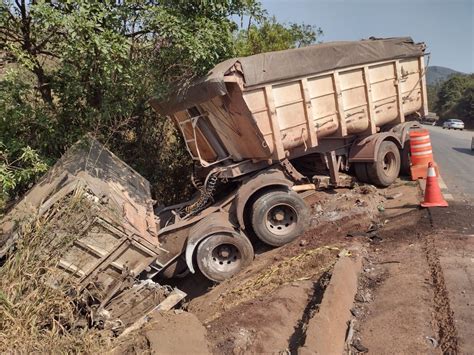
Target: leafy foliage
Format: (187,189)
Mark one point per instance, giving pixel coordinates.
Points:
(76,67)
(466,104)
(271,35)
(433,96)
(455,98)
(451,92)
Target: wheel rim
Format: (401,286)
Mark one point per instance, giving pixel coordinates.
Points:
(281,219)
(225,258)
(388,163)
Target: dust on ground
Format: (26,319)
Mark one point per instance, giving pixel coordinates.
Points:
(266,306)
(173,332)
(411,295)
(414,292)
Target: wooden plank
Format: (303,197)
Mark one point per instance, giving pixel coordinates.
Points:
(398,71)
(333,167)
(74,269)
(424,94)
(368,91)
(312,138)
(342,129)
(279,152)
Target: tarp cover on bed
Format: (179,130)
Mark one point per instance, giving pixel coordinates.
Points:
(291,63)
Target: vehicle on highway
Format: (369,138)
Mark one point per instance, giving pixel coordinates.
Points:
(453,124)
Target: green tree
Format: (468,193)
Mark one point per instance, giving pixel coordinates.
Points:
(76,67)
(433,97)
(270,35)
(466,104)
(451,92)
(455,99)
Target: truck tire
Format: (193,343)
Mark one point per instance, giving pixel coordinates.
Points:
(221,256)
(405,158)
(278,217)
(386,169)
(361,172)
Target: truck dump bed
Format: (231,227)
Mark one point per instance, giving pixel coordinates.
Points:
(279,105)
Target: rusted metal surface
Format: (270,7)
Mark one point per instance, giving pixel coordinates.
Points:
(365,149)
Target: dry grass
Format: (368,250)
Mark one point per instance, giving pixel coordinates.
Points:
(296,268)
(307,265)
(34,315)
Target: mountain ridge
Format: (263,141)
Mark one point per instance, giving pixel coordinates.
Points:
(437,74)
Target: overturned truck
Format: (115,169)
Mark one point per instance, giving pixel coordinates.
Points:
(259,130)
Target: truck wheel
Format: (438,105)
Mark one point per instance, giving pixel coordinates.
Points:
(385,170)
(405,159)
(278,217)
(361,172)
(221,256)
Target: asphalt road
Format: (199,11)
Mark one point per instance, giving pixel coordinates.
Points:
(452,153)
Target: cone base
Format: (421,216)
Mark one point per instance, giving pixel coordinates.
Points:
(434,204)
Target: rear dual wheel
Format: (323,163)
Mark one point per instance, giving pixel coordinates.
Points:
(278,217)
(385,170)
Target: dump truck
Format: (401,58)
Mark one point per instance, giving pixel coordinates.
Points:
(260,130)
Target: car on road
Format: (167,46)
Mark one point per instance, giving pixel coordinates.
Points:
(453,124)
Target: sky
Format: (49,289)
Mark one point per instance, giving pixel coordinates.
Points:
(447,27)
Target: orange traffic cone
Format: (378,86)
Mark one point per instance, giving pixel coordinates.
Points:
(433,195)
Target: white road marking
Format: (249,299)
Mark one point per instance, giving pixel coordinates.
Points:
(448,197)
(442,184)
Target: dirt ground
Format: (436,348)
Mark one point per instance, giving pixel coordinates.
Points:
(173,332)
(414,295)
(267,306)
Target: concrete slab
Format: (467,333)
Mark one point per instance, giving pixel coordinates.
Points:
(326,331)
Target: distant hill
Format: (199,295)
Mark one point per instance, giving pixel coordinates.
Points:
(437,75)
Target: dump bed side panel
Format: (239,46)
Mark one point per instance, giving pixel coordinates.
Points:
(279,119)
(341,103)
